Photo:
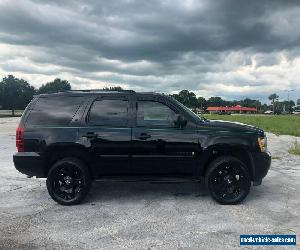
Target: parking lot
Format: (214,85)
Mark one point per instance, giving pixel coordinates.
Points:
(144,215)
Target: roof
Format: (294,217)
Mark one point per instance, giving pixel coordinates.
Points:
(96,91)
(235,108)
(86,92)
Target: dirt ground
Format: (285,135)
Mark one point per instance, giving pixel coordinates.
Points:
(144,215)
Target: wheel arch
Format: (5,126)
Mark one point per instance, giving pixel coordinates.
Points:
(59,151)
(240,152)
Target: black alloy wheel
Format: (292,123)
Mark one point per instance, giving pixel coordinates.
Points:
(228,180)
(68,181)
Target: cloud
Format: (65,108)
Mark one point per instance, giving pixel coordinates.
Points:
(229,48)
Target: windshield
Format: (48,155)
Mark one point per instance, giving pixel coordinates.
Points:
(190,112)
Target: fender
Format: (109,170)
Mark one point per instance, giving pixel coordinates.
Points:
(61,150)
(239,146)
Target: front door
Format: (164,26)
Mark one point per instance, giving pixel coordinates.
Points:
(160,147)
(107,134)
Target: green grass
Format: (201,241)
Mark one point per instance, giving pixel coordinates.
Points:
(295,149)
(277,124)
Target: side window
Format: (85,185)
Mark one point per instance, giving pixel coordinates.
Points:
(54,110)
(109,113)
(151,113)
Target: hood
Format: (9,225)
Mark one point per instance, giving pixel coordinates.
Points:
(234,126)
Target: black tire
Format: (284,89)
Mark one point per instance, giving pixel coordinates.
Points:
(68,181)
(228,180)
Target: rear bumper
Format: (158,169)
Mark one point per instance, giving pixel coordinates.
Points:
(262,163)
(29,163)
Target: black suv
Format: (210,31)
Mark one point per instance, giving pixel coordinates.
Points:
(74,137)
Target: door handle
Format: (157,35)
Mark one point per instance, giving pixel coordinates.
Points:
(90,135)
(143,136)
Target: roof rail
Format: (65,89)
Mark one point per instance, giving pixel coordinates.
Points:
(98,90)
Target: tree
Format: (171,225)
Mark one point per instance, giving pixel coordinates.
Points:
(201,102)
(264,107)
(247,102)
(285,106)
(56,86)
(298,102)
(187,98)
(15,93)
(216,101)
(273,98)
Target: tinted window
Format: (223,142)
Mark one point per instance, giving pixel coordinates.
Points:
(152,113)
(55,110)
(109,112)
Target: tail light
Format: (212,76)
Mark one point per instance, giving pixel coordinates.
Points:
(20,139)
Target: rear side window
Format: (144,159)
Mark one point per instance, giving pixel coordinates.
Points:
(109,113)
(55,110)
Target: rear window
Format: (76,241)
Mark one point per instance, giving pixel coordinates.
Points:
(55,110)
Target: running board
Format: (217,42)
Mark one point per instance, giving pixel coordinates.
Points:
(147,179)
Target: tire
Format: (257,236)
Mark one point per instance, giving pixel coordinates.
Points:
(228,180)
(68,181)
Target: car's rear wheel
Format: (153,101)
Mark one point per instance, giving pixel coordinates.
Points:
(68,181)
(228,180)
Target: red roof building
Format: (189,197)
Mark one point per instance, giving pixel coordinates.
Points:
(236,109)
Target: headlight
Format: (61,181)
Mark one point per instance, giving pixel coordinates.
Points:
(262,143)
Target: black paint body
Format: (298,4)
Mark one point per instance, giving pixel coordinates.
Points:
(130,150)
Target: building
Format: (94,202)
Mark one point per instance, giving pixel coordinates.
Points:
(235,109)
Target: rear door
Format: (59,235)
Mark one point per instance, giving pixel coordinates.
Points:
(107,133)
(159,147)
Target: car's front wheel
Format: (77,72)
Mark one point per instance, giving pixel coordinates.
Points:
(68,181)
(228,180)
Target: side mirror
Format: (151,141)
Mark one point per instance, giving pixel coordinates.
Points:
(180,121)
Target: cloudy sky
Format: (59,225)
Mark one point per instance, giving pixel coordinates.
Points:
(229,48)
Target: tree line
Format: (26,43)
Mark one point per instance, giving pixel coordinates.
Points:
(16,93)
(190,100)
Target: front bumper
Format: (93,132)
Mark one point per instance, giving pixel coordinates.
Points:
(29,163)
(262,163)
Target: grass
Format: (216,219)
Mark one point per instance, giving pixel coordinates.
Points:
(277,124)
(295,148)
